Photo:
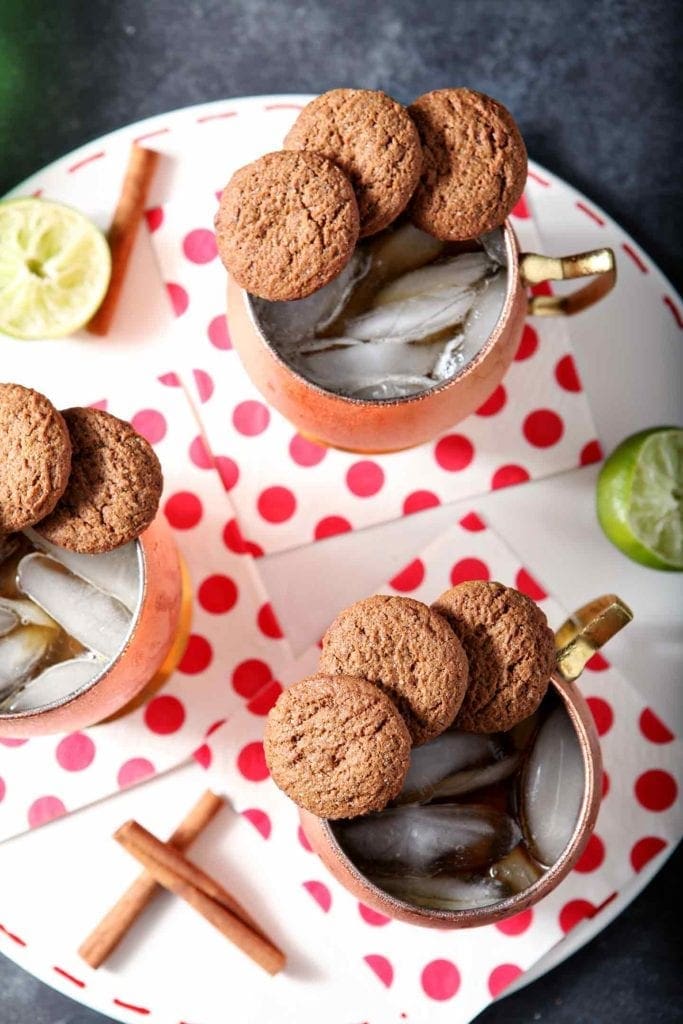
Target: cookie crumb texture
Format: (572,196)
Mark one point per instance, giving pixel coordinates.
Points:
(510,649)
(337,746)
(114,489)
(35,457)
(407,650)
(474,164)
(373,140)
(287,224)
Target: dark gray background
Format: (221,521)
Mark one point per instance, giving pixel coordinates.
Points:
(596,87)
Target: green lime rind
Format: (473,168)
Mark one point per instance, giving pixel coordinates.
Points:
(55,267)
(640,498)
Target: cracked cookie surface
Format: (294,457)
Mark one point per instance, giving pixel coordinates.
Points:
(287,224)
(114,488)
(337,746)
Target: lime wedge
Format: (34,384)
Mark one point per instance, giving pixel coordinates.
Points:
(640,498)
(54,268)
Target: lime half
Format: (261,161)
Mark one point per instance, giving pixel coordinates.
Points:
(640,498)
(55,267)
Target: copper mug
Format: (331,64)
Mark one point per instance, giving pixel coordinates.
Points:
(371,427)
(155,643)
(577,640)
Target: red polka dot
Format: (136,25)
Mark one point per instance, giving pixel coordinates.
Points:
(418,501)
(574,913)
(372,917)
(265,699)
(380,966)
(180,300)
(154,218)
(169,380)
(520,209)
(542,288)
(592,857)
(592,452)
(200,455)
(597,663)
(151,424)
(234,541)
(645,849)
(251,676)
(502,977)
(409,578)
(605,783)
(653,728)
(506,476)
(251,762)
(6,742)
(305,452)
(469,569)
(164,715)
(267,622)
(228,471)
(199,245)
(494,403)
(198,655)
(259,820)
(103,404)
(603,715)
(528,344)
(320,893)
(543,428)
(203,756)
(303,839)
(454,452)
(218,333)
(134,770)
(250,418)
(215,726)
(473,523)
(183,510)
(656,790)
(45,809)
(217,594)
(525,582)
(365,478)
(567,375)
(204,385)
(276,504)
(330,526)
(517,924)
(75,752)
(3,789)
(440,979)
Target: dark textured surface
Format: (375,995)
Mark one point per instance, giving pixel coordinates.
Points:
(596,87)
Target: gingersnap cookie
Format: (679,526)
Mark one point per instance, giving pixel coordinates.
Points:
(406,649)
(510,650)
(373,140)
(35,457)
(337,746)
(114,488)
(474,164)
(287,224)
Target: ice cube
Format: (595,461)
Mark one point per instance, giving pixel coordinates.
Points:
(442,757)
(8,620)
(55,683)
(444,892)
(345,369)
(413,319)
(20,652)
(517,870)
(484,315)
(471,779)
(97,620)
(388,388)
(115,572)
(552,788)
(493,243)
(9,542)
(401,250)
(459,272)
(426,840)
(27,612)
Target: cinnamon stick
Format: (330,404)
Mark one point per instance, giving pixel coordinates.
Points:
(106,936)
(123,230)
(181,876)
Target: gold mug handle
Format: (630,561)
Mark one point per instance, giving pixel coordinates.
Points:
(587,631)
(535,269)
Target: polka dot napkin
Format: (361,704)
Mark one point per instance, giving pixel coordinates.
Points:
(234,649)
(288,491)
(428,976)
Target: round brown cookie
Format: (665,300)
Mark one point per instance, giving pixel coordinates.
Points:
(409,651)
(337,746)
(287,224)
(35,457)
(474,166)
(510,650)
(374,141)
(114,488)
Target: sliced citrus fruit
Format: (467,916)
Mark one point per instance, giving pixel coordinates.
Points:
(55,267)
